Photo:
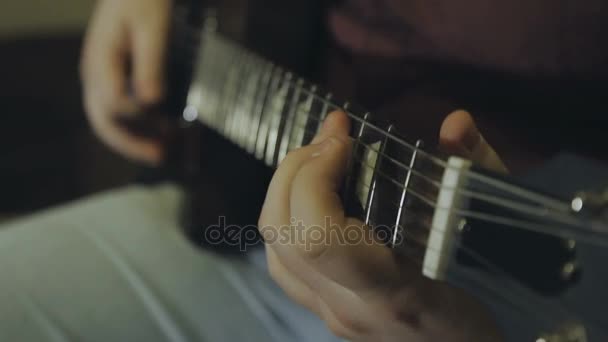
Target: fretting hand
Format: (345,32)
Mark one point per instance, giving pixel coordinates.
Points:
(361,290)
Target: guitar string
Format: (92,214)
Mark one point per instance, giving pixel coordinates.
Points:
(586,236)
(591,238)
(516,190)
(478,215)
(504,202)
(530,225)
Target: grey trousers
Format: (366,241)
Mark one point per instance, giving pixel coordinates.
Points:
(115,267)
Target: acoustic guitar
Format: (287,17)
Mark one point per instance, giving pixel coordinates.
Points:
(531,248)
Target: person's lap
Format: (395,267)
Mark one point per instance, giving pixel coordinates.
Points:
(116,267)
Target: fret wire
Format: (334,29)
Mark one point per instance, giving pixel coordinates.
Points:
(265,78)
(266,114)
(224,97)
(298,140)
(309,116)
(324,109)
(372,191)
(404,192)
(236,90)
(227,96)
(241,99)
(246,102)
(250,131)
(258,85)
(345,192)
(277,118)
(291,119)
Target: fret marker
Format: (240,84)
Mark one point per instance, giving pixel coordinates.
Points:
(190,113)
(577,204)
(406,186)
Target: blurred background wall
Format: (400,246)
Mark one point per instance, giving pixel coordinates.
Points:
(48,154)
(19,18)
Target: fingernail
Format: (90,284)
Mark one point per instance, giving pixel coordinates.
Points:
(323,146)
(323,127)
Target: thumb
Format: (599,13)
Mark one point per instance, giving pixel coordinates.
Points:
(341,248)
(459,135)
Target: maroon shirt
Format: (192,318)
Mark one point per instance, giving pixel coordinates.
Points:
(533,72)
(547,37)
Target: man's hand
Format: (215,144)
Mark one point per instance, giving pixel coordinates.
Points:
(121,70)
(362,291)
